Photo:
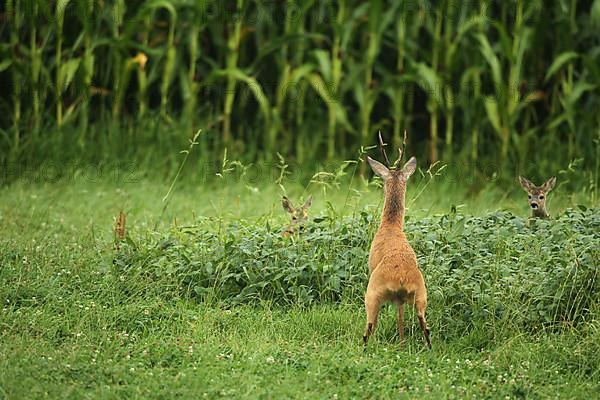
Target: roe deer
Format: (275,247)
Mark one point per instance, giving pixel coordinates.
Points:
(394,273)
(537,196)
(298,215)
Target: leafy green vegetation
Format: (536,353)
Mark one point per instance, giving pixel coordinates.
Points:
(511,83)
(483,271)
(513,308)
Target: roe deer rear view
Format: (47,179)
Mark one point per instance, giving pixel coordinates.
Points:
(537,196)
(394,274)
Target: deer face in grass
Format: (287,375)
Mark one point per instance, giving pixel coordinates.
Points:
(298,215)
(537,195)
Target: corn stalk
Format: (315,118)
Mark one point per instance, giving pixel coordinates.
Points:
(234,32)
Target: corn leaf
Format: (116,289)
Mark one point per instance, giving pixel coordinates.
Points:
(559,62)
(491,109)
(5,64)
(67,72)
(491,59)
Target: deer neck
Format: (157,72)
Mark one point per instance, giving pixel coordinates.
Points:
(393,206)
(540,213)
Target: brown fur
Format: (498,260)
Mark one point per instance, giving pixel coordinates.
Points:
(537,196)
(119,229)
(298,215)
(394,274)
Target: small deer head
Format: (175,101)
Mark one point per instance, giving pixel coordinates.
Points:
(537,195)
(298,215)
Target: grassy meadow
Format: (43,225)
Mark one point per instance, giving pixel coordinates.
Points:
(194,118)
(207,299)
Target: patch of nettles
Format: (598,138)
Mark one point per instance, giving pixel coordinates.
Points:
(488,271)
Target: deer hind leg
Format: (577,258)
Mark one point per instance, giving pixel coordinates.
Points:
(420,306)
(401,321)
(372,305)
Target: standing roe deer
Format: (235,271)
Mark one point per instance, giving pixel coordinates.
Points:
(395,275)
(537,196)
(298,215)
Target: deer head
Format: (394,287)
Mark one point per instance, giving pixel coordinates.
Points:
(298,215)
(394,184)
(537,195)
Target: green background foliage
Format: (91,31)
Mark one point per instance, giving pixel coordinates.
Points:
(512,82)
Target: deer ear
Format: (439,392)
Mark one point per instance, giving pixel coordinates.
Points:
(308,202)
(527,185)
(549,184)
(379,169)
(287,204)
(410,167)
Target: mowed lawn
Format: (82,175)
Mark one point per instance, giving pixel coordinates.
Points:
(66,331)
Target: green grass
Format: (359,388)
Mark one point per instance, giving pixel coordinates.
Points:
(151,349)
(72,326)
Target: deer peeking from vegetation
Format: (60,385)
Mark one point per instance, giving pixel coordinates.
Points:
(298,215)
(537,196)
(394,274)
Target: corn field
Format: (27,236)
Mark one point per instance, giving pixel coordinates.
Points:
(515,82)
